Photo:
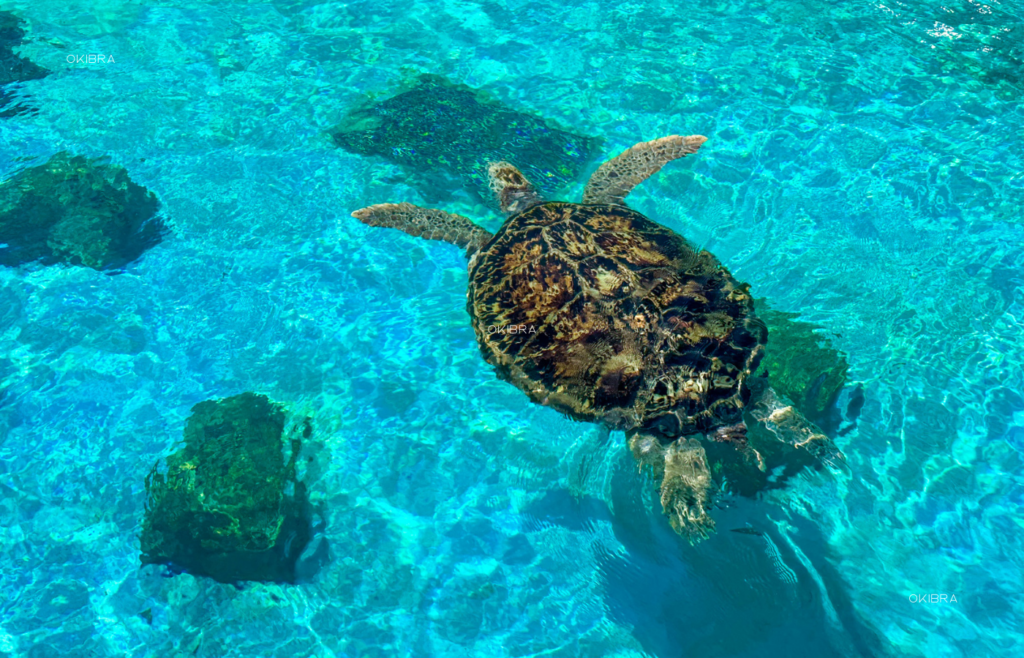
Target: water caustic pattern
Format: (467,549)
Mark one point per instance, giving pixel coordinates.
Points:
(863,171)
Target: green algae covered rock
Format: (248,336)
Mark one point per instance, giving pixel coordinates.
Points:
(77,211)
(803,366)
(229,505)
(12,67)
(441,128)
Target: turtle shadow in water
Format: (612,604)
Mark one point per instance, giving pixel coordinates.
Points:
(727,596)
(14,69)
(445,134)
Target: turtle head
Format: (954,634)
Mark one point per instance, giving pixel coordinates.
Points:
(515,192)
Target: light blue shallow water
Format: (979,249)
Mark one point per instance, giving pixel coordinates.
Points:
(864,169)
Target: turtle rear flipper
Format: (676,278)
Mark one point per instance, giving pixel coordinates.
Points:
(792,427)
(427,223)
(616,178)
(686,485)
(686,489)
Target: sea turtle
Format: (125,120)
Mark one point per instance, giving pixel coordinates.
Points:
(595,310)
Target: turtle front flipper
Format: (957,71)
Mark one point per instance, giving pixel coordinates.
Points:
(686,485)
(515,193)
(428,223)
(616,178)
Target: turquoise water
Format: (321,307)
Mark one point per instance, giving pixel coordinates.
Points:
(864,169)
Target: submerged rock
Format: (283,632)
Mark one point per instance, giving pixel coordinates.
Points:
(229,506)
(441,128)
(77,211)
(12,67)
(802,363)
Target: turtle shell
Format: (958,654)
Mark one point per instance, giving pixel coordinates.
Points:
(604,315)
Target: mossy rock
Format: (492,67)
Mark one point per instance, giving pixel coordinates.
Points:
(801,363)
(77,211)
(12,67)
(229,505)
(439,128)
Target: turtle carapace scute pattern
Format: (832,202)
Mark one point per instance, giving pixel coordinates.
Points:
(600,313)
(620,320)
